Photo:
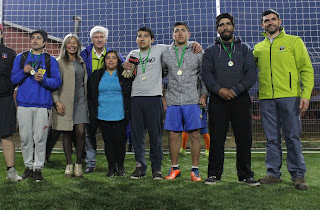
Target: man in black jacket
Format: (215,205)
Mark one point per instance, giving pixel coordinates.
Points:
(228,71)
(7,109)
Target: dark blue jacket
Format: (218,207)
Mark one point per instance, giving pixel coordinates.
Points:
(86,55)
(32,93)
(6,63)
(216,73)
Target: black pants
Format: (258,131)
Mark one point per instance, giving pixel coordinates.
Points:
(238,112)
(114,137)
(146,114)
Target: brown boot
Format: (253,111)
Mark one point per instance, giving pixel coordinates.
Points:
(300,184)
(78,171)
(270,180)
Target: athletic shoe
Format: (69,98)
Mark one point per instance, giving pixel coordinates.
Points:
(270,180)
(195,176)
(121,171)
(211,180)
(251,182)
(137,174)
(110,173)
(172,174)
(300,184)
(90,169)
(182,151)
(37,175)
(12,175)
(157,175)
(27,173)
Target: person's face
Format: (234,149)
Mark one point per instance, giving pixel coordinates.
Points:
(225,29)
(99,40)
(271,23)
(144,40)
(72,46)
(37,42)
(180,35)
(111,61)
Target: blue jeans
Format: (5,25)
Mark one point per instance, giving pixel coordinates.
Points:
(146,114)
(91,146)
(276,114)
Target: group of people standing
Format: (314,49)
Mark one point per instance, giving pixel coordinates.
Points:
(96,87)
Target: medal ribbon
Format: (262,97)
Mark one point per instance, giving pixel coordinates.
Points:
(146,61)
(224,47)
(180,60)
(35,63)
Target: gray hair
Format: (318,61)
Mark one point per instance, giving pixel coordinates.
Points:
(63,51)
(99,29)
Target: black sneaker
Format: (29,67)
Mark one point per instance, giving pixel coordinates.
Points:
(27,173)
(110,173)
(211,180)
(157,175)
(90,169)
(37,175)
(121,171)
(137,174)
(251,182)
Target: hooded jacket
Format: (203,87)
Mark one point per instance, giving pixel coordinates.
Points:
(32,93)
(216,73)
(184,89)
(284,65)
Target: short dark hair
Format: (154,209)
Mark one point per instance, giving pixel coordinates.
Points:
(268,12)
(42,33)
(224,15)
(180,24)
(147,29)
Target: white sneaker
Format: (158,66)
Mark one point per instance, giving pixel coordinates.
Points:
(13,176)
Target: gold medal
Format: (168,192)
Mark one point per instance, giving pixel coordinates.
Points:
(201,116)
(230,63)
(179,72)
(32,72)
(144,78)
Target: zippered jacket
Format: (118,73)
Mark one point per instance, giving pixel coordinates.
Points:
(86,55)
(184,89)
(284,65)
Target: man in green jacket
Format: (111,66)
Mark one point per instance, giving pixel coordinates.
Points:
(285,83)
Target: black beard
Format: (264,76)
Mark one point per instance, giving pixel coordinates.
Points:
(272,32)
(226,37)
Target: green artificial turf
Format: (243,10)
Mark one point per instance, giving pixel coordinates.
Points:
(96,191)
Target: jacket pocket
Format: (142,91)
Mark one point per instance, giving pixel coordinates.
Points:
(290,81)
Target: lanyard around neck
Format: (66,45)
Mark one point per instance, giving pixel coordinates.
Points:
(224,47)
(180,60)
(146,61)
(35,62)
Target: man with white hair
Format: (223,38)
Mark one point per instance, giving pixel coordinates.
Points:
(93,56)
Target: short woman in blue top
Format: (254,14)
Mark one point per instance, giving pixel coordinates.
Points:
(109,94)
